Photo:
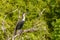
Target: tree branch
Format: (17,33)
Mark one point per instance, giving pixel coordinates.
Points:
(18,15)
(42,11)
(15,10)
(25,31)
(3,23)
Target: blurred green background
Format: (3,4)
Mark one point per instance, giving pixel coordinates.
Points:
(42,14)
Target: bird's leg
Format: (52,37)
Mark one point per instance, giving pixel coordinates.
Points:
(19,31)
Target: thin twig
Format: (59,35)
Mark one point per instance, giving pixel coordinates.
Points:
(15,10)
(3,23)
(42,11)
(3,26)
(18,15)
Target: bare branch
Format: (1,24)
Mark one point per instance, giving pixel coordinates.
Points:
(25,31)
(15,10)
(18,15)
(3,28)
(42,11)
(31,30)
(3,23)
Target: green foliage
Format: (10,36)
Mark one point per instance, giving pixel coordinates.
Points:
(56,34)
(52,17)
(48,21)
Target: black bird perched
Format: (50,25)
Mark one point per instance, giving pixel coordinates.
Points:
(20,24)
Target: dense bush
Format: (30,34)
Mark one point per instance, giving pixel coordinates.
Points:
(47,21)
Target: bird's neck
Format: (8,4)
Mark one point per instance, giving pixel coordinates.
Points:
(23,19)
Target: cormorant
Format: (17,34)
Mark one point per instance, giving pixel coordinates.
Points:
(20,24)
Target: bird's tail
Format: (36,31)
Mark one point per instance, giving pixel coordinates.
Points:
(15,31)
